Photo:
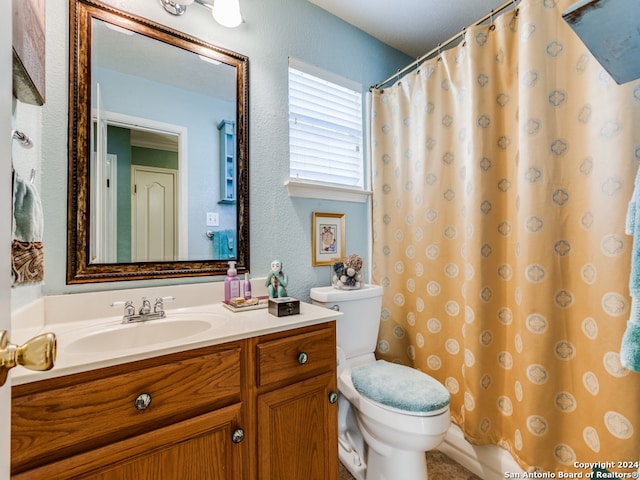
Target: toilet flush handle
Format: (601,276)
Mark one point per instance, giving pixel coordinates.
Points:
(336,308)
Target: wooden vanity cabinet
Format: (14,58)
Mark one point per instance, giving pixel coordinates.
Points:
(97,420)
(297,408)
(251,409)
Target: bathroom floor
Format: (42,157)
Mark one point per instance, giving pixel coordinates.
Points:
(440,467)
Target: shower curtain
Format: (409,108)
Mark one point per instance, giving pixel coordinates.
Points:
(502,170)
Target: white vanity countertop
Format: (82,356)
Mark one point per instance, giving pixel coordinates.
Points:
(226,326)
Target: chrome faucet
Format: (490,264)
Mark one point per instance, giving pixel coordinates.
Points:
(145,309)
(145,312)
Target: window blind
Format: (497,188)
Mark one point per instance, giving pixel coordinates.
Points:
(325,129)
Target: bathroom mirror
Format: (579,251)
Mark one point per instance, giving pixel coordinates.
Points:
(158,181)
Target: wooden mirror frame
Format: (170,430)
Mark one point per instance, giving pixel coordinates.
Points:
(79,270)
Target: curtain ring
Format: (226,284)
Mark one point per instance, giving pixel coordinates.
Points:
(464,36)
(418,64)
(515,8)
(439,52)
(492,27)
(398,76)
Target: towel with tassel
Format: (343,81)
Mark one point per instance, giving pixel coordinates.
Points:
(630,346)
(27,254)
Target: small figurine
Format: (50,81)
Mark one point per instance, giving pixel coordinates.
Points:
(277,281)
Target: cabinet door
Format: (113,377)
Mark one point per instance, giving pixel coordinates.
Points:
(297,428)
(200,448)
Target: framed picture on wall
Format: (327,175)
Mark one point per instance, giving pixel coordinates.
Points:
(327,238)
(29,51)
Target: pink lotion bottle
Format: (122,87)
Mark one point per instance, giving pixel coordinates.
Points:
(231,283)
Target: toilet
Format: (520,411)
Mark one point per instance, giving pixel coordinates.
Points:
(389,415)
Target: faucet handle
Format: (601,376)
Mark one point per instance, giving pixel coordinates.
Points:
(159,305)
(129,309)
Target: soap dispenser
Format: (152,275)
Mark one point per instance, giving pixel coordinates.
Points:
(231,283)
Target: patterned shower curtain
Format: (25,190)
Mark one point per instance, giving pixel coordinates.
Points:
(501,176)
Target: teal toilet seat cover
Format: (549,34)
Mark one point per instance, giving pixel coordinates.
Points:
(399,387)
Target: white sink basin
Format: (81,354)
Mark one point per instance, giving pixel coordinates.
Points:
(127,336)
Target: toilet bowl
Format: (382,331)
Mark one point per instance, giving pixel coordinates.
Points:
(388,415)
(397,439)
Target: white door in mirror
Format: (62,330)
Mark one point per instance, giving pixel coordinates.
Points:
(153,214)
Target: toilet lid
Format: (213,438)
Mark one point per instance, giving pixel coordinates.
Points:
(399,387)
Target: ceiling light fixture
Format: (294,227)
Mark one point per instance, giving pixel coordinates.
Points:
(225,12)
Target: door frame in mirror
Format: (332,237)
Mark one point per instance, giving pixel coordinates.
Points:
(79,268)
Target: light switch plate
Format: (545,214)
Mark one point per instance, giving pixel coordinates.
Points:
(212,219)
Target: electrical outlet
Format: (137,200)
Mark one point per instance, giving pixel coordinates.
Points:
(212,219)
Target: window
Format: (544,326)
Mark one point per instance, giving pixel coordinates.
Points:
(325,127)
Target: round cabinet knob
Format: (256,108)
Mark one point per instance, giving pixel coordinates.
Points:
(303,358)
(237,436)
(142,401)
(333,397)
(39,354)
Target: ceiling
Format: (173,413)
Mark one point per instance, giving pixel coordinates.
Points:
(412,26)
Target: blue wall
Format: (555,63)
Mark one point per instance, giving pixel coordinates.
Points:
(274,30)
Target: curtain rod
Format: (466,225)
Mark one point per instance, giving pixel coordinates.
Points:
(421,59)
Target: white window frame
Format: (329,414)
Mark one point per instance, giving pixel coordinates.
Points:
(298,187)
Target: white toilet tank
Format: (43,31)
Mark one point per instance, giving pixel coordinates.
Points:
(357,329)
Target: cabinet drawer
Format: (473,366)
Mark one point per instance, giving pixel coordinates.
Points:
(297,356)
(65,419)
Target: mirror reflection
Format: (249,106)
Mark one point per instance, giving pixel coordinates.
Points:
(158,151)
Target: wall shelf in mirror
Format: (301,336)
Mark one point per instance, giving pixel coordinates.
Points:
(227,162)
(141,98)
